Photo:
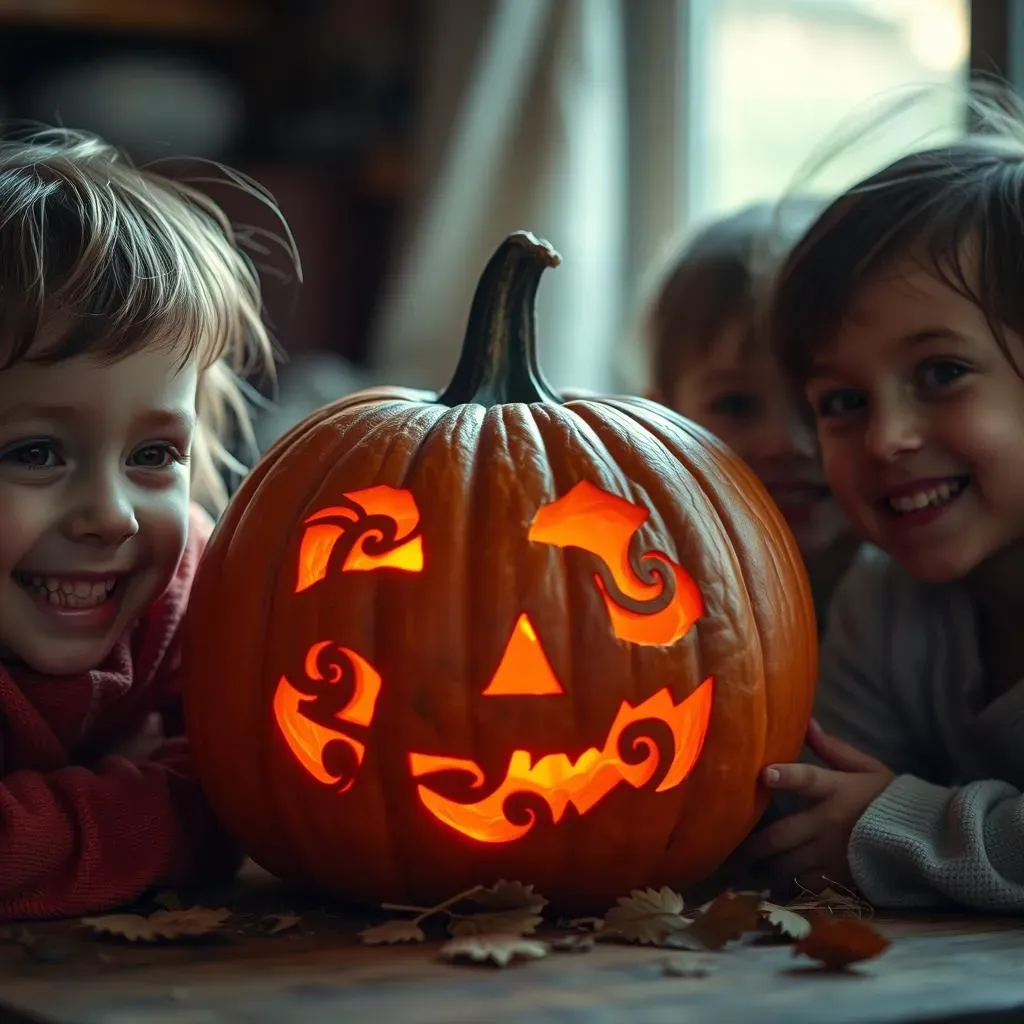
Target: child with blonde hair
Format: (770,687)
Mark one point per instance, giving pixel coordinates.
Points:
(126,308)
(710,362)
(901,316)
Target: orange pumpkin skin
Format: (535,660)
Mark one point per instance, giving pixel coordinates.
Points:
(479,463)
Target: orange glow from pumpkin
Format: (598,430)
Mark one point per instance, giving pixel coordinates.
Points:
(559,782)
(379,524)
(604,525)
(308,739)
(524,669)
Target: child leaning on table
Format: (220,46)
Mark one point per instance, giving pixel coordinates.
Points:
(124,303)
(710,361)
(901,315)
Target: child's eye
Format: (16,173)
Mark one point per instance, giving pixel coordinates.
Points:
(940,373)
(735,404)
(838,402)
(156,456)
(33,455)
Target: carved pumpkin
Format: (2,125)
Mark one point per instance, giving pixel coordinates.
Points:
(439,640)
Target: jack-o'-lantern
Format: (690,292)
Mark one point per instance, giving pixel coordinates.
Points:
(438,640)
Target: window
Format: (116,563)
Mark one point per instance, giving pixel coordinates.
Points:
(769,81)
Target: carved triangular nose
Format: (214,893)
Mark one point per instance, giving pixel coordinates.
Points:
(524,669)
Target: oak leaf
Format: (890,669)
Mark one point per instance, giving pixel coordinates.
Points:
(647,915)
(161,926)
(505,895)
(728,917)
(838,942)
(520,921)
(391,932)
(786,923)
(496,949)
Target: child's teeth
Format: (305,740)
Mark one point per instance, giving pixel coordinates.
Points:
(70,593)
(922,499)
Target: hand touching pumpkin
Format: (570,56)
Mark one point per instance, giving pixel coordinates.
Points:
(812,843)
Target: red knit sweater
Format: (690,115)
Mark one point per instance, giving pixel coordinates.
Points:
(82,829)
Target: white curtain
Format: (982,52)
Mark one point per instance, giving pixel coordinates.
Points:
(527,121)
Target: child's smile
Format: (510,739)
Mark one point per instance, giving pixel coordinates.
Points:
(93,501)
(921,425)
(80,600)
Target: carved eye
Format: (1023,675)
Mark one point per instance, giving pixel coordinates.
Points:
(651,600)
(376,528)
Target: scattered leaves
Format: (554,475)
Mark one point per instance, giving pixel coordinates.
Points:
(838,942)
(505,895)
(161,926)
(391,932)
(785,922)
(523,921)
(573,944)
(499,950)
(168,899)
(647,915)
(274,924)
(726,919)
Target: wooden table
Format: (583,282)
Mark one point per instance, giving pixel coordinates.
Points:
(960,968)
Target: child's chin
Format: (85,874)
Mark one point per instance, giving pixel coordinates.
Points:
(70,657)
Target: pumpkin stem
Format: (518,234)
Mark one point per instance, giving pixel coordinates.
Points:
(498,364)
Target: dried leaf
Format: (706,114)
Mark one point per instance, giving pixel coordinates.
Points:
(573,944)
(647,915)
(727,918)
(785,922)
(522,921)
(509,896)
(835,898)
(391,932)
(277,923)
(838,942)
(168,899)
(163,925)
(496,949)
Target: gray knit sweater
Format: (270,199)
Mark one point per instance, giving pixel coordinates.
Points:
(901,680)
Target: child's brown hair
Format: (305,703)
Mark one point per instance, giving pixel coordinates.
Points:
(957,208)
(127,257)
(721,273)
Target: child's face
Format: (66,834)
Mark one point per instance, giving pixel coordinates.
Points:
(921,425)
(743,398)
(94,494)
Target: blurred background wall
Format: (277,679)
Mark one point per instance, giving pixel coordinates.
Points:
(404,138)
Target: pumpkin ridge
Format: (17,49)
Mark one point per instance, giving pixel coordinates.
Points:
(785,558)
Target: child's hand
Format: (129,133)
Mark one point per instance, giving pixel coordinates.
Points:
(811,844)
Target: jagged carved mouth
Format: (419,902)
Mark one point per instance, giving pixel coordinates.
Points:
(630,755)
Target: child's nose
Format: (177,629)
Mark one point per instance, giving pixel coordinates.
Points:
(102,514)
(892,431)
